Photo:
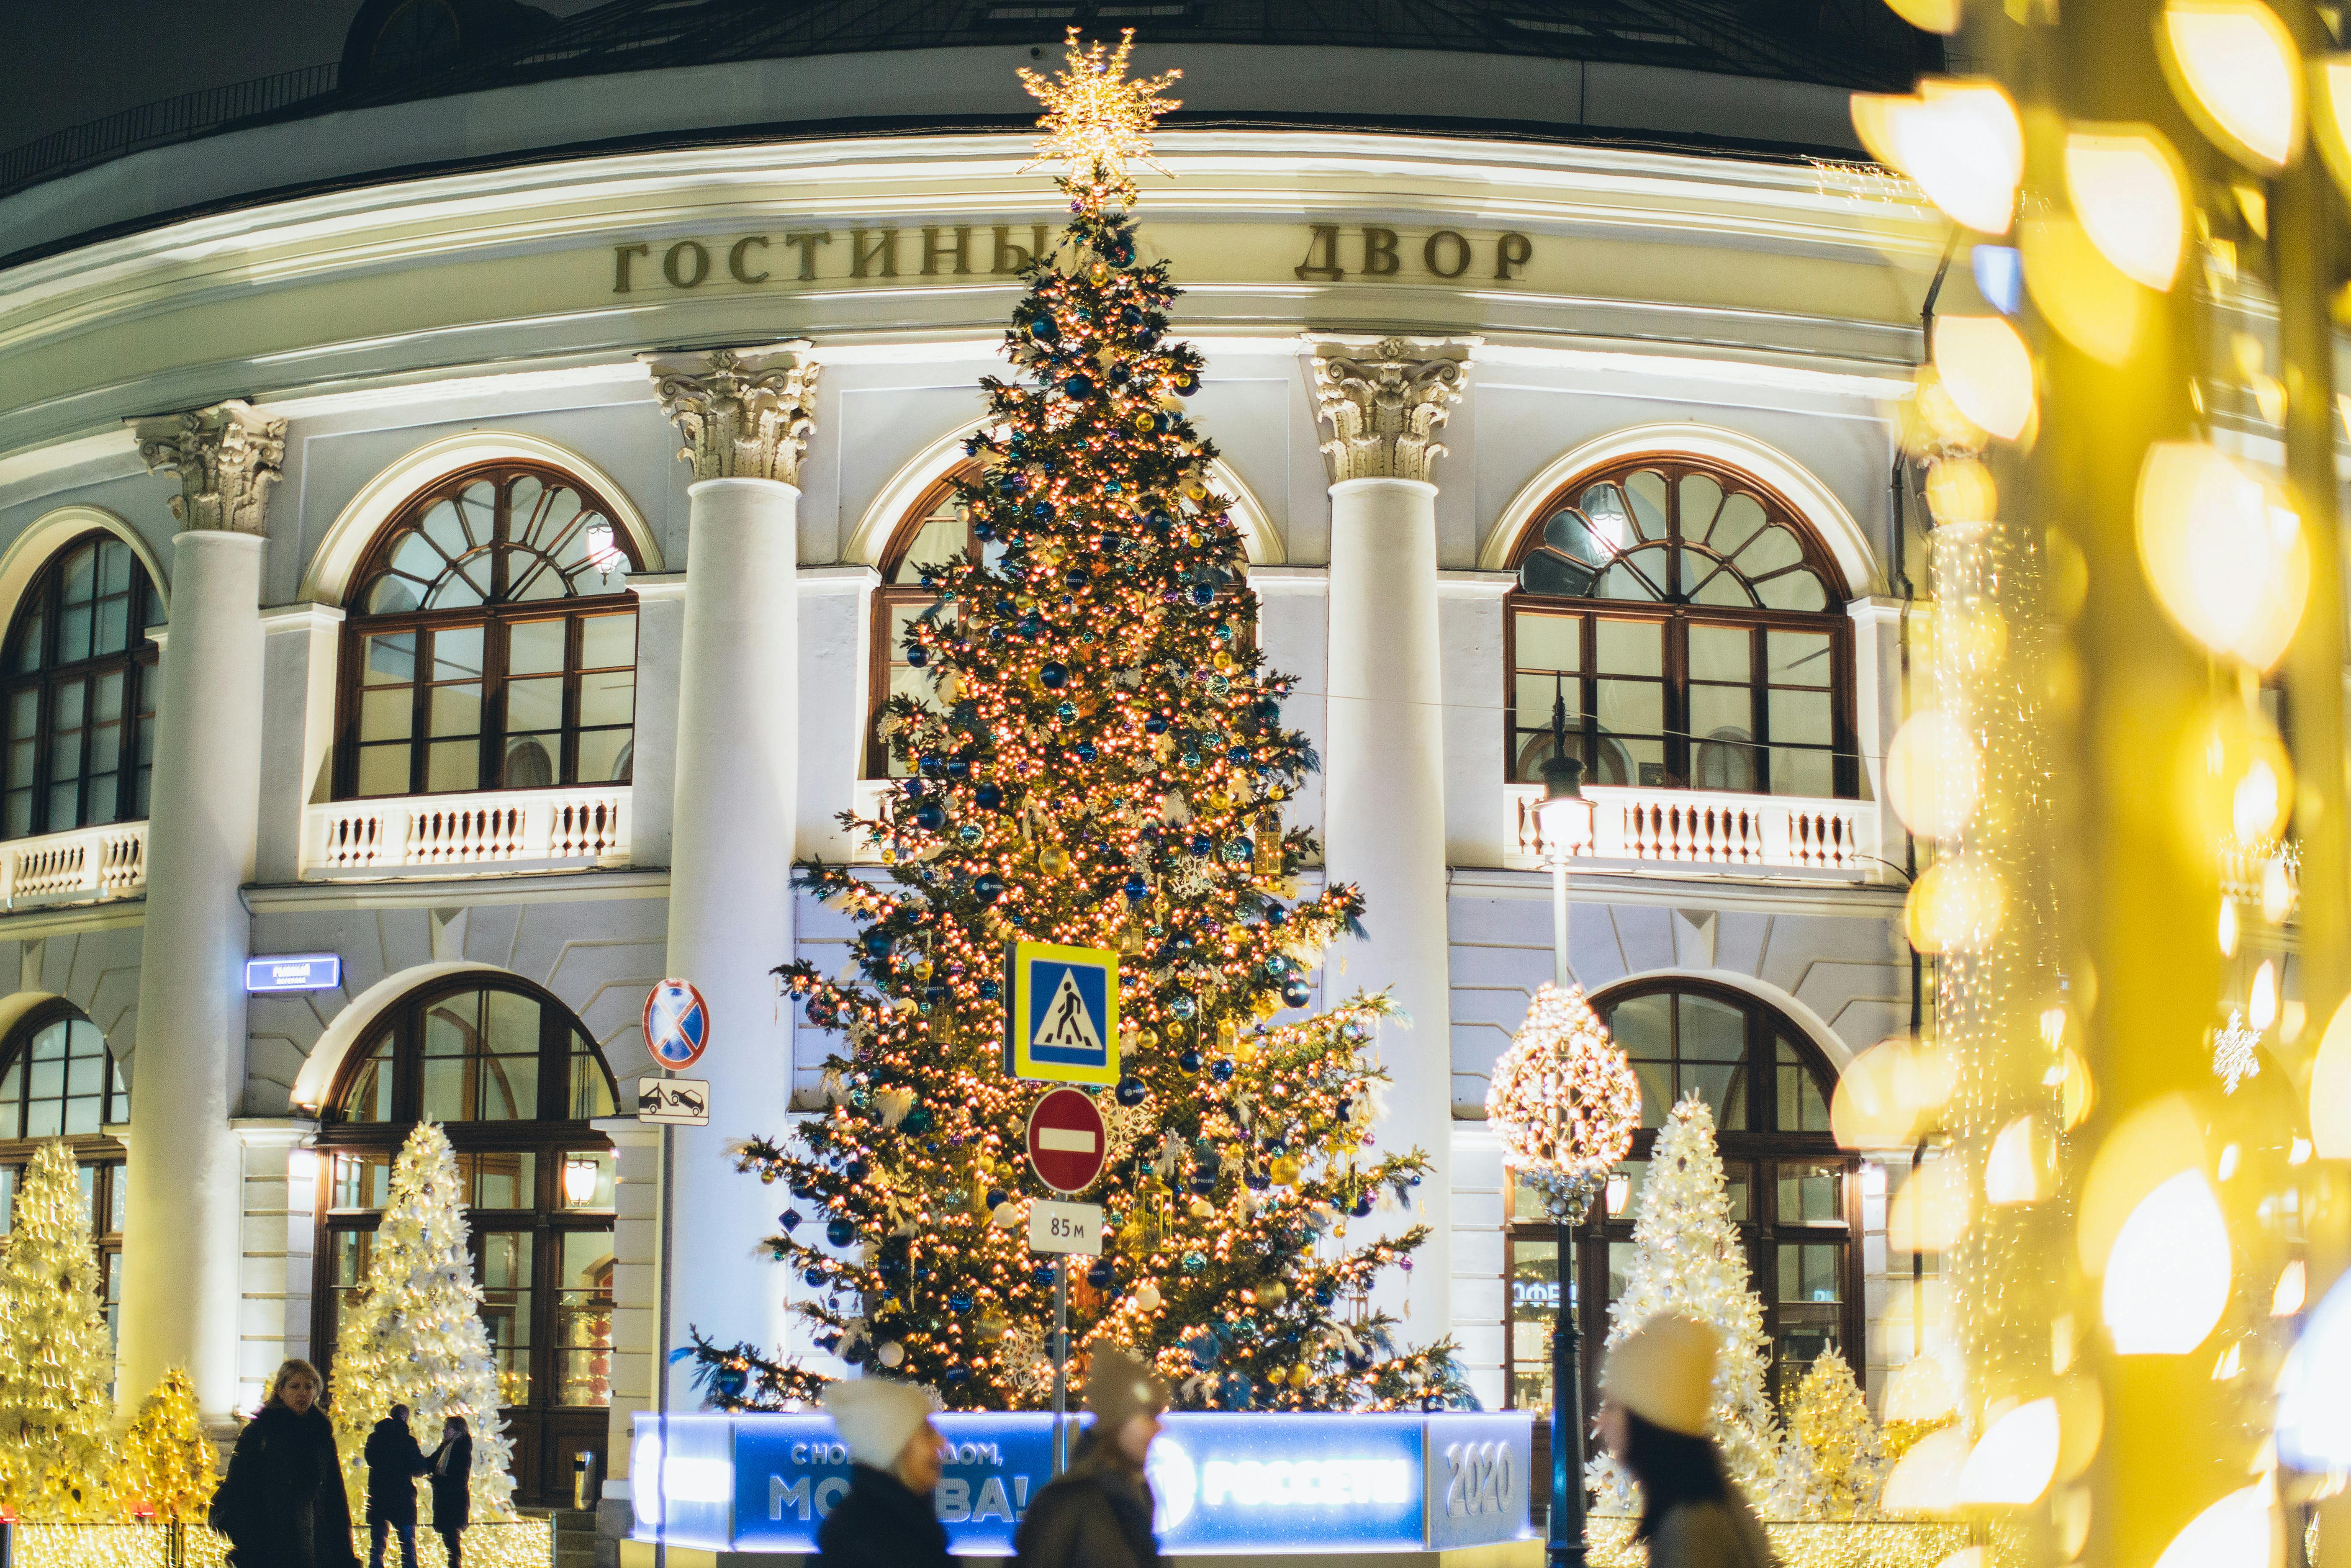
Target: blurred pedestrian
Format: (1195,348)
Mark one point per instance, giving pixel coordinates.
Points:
(453,1486)
(1097,1513)
(887,1519)
(1657,1415)
(393,1463)
(282,1504)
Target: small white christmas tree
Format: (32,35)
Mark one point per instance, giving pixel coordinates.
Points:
(1835,1442)
(412,1335)
(56,1447)
(1687,1259)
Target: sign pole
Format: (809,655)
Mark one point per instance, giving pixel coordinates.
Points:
(1060,1362)
(661,1352)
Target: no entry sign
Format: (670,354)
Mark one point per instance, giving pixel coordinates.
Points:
(1067,1143)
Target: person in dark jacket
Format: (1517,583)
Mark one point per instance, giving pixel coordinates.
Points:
(1097,1513)
(453,1486)
(887,1518)
(1657,1415)
(282,1504)
(393,1463)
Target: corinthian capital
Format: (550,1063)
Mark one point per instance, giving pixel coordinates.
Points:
(226,457)
(744,416)
(1384,405)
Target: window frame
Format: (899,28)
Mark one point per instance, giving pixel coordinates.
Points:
(497,619)
(889,597)
(545,1430)
(138,662)
(1676,617)
(102,1154)
(1763,1150)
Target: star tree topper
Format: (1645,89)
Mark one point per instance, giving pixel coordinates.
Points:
(1096,118)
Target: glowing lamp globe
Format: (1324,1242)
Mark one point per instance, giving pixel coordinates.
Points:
(1563,1101)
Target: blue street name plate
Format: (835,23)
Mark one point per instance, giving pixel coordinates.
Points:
(295,972)
(1225,1484)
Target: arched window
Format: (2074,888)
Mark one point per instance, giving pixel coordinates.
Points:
(1693,627)
(492,642)
(1793,1192)
(935,531)
(58,1079)
(79,685)
(515,1079)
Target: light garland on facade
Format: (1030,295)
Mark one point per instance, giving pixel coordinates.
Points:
(1563,1100)
(1855,1543)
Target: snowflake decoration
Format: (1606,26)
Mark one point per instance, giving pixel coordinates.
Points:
(2235,1053)
(1096,118)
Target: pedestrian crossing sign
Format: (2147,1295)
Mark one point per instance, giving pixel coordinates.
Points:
(1061,1013)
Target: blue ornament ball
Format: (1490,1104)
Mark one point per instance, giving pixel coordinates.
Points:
(1296,992)
(1222,1071)
(988,887)
(959,1301)
(988,797)
(1132,1091)
(1190,1061)
(1100,1274)
(930,816)
(1052,677)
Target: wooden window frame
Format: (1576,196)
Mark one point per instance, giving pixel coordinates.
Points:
(497,620)
(1676,618)
(890,596)
(546,1431)
(137,663)
(1761,1149)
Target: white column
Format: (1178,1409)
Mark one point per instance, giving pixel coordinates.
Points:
(734,806)
(1384,764)
(181,1247)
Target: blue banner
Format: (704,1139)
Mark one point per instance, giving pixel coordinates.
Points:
(1224,1483)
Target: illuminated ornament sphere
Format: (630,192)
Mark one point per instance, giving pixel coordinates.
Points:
(1565,1100)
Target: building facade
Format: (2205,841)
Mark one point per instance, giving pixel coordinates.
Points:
(467,535)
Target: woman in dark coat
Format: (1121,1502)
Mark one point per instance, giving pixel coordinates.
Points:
(453,1489)
(283,1504)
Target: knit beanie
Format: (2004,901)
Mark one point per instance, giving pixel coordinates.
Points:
(1119,1388)
(1663,1372)
(877,1417)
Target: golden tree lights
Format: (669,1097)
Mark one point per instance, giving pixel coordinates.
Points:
(1099,761)
(168,1471)
(2158,1287)
(1563,1100)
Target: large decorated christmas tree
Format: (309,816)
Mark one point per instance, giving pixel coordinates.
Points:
(1688,1257)
(414,1334)
(1099,762)
(56,1363)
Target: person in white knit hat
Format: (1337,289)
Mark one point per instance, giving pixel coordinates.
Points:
(887,1518)
(1657,1415)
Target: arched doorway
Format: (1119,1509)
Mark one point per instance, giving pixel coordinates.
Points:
(515,1079)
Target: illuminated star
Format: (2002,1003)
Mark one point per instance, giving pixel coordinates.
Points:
(1094,117)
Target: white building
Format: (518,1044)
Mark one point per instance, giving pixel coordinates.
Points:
(358,603)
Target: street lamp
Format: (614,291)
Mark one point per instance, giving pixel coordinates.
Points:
(1566,1104)
(1564,821)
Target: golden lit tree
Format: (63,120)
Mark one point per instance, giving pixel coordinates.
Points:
(1835,1444)
(56,1363)
(1099,761)
(168,1470)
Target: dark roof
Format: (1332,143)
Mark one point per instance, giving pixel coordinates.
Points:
(1849,43)
(1834,43)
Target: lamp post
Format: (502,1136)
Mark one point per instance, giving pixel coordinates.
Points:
(1566,1104)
